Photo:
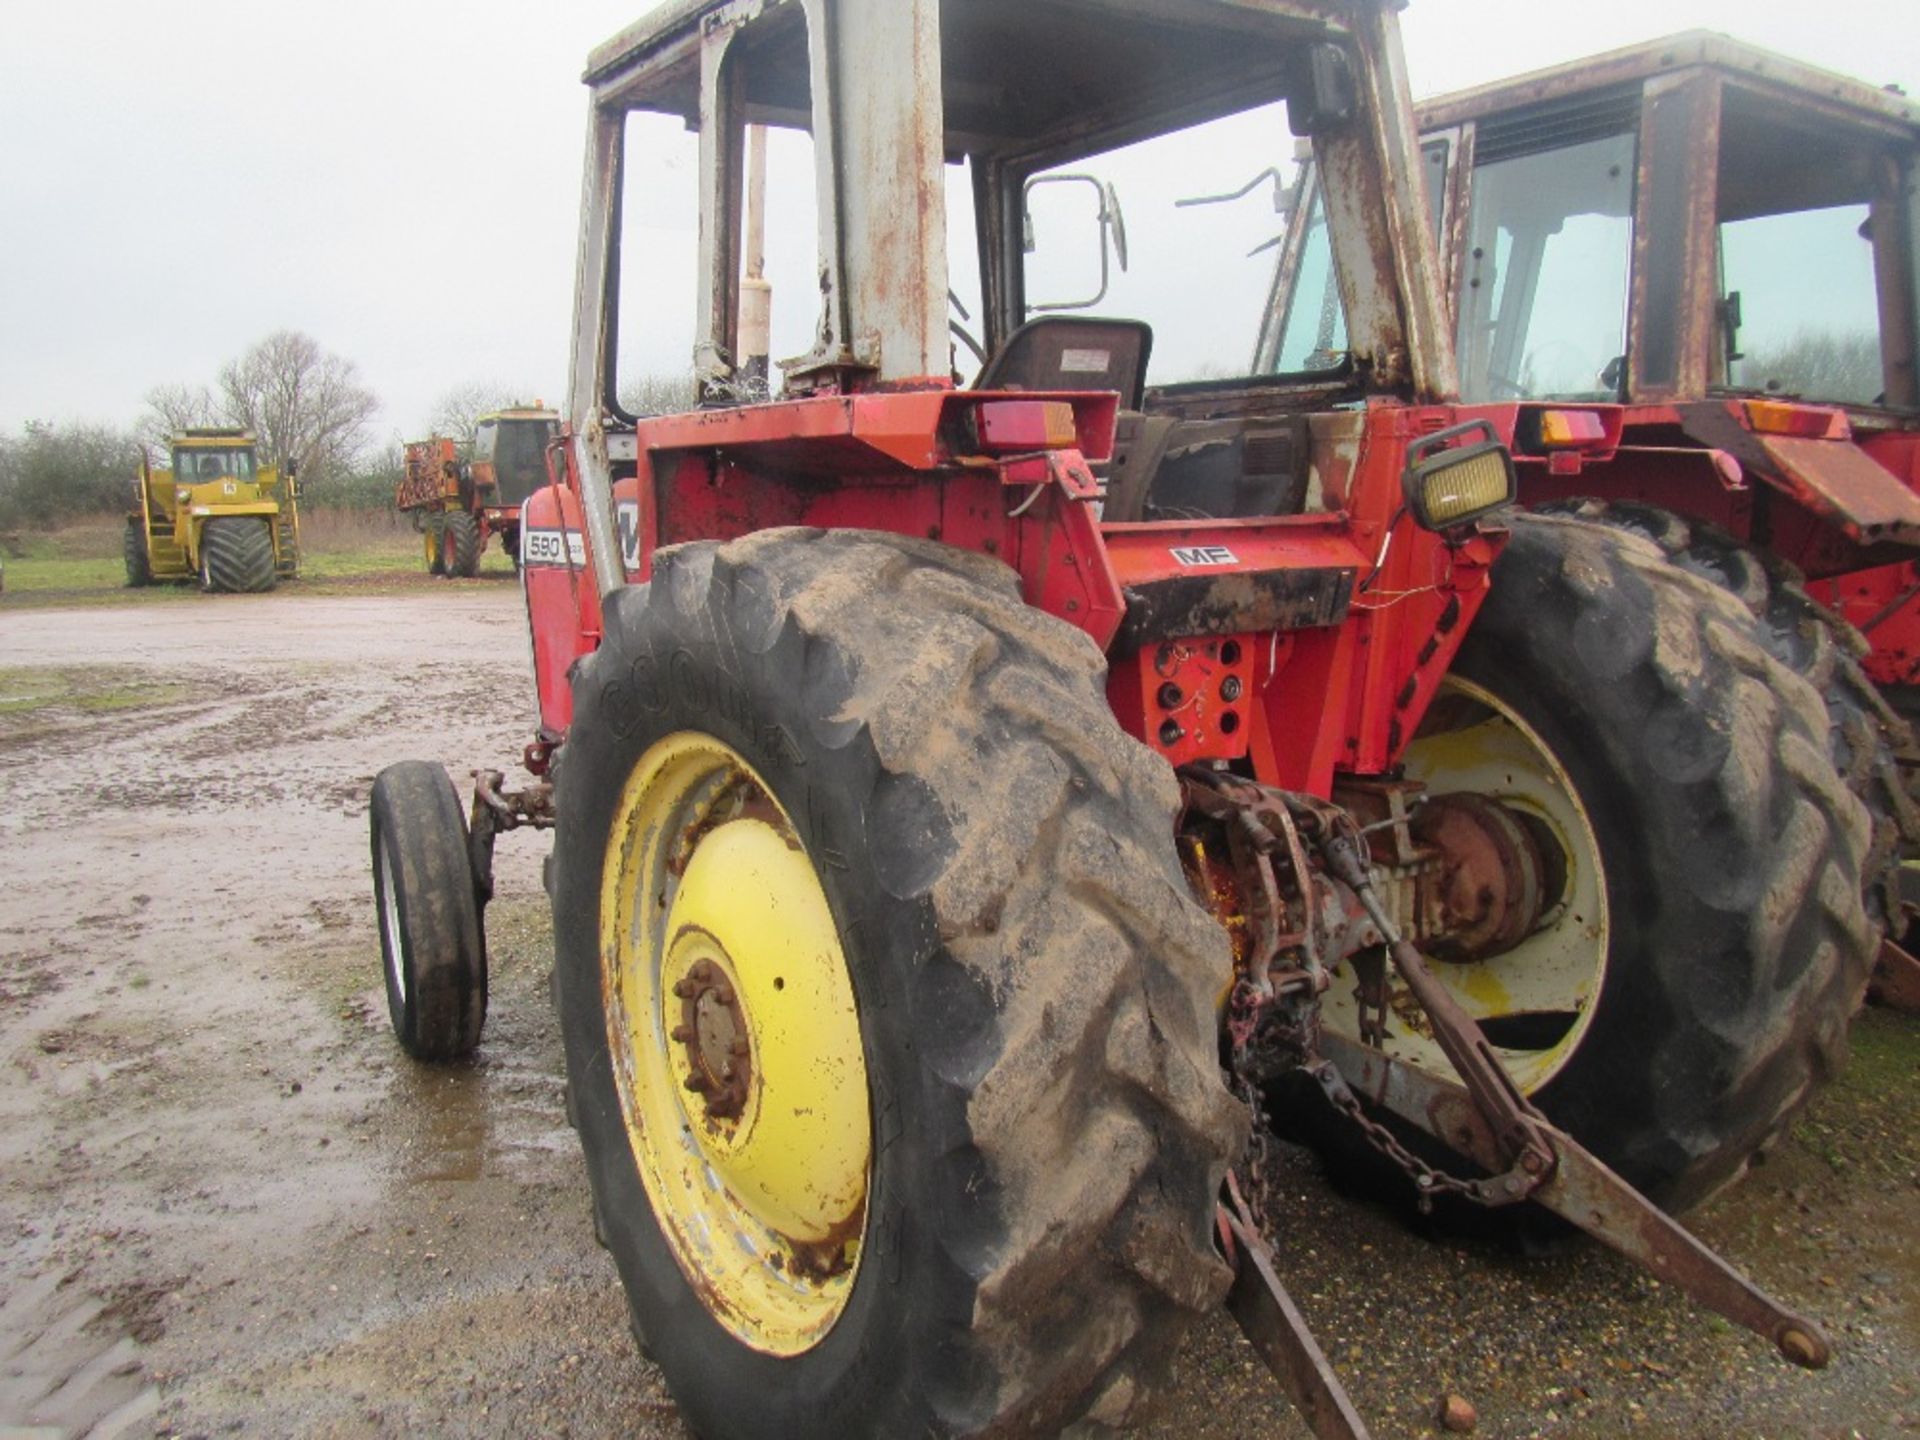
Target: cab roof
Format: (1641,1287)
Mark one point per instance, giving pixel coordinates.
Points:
(1705,49)
(1018,75)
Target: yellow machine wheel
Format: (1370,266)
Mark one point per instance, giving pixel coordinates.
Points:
(888,1017)
(735,1042)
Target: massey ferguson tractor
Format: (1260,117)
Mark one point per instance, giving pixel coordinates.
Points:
(215,515)
(979,811)
(460,496)
(1724,242)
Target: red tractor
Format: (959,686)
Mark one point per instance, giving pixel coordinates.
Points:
(977,811)
(462,495)
(1725,243)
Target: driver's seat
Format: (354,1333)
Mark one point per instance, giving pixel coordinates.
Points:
(1073,352)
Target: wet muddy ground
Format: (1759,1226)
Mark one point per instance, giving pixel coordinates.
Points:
(228,1205)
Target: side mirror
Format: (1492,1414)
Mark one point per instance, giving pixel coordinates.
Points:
(1113,223)
(1321,93)
(1112,237)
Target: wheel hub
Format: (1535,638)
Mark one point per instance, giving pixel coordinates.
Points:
(714,1031)
(1493,883)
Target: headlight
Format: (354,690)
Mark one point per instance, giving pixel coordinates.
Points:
(1453,478)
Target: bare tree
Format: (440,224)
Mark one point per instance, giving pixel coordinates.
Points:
(460,409)
(305,405)
(1819,364)
(658,394)
(172,408)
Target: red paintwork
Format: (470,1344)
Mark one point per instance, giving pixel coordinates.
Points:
(1210,703)
(563,612)
(1346,696)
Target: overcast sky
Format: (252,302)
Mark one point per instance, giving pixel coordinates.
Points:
(401,180)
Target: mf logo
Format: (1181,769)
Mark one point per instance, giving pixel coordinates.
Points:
(627,516)
(1197,555)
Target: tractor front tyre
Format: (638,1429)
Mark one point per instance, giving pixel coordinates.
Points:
(1694,986)
(236,556)
(432,943)
(134,550)
(460,545)
(889,1019)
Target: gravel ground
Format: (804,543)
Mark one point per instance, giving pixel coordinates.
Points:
(229,1205)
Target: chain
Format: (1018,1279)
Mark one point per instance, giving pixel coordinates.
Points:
(1427,1181)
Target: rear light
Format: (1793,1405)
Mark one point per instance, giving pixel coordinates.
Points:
(1010,427)
(1782,417)
(1448,484)
(1564,429)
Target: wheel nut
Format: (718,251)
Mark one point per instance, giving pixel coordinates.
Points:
(1170,695)
(682,1034)
(722,995)
(1230,688)
(698,1083)
(1171,733)
(685,989)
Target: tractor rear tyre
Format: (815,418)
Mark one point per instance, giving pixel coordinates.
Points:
(460,545)
(431,939)
(236,556)
(888,1016)
(1866,734)
(1713,855)
(134,549)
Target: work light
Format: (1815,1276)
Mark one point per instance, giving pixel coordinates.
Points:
(1452,477)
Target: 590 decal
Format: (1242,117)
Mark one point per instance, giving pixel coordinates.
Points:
(552,547)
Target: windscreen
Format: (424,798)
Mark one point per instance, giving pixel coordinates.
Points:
(519,452)
(195,466)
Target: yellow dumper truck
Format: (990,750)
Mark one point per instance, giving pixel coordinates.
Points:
(217,515)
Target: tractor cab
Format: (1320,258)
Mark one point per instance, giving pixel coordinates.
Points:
(509,457)
(982,221)
(1687,217)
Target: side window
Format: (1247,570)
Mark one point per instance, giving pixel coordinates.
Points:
(1313,337)
(1543,309)
(1313,330)
(1799,198)
(483,437)
(659,255)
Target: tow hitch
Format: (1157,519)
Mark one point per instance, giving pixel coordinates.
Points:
(1303,866)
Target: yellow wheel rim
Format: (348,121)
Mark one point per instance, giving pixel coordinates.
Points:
(1473,741)
(736,1044)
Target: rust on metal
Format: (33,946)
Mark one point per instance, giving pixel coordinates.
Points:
(1585,1192)
(1278,1331)
(1492,884)
(1896,979)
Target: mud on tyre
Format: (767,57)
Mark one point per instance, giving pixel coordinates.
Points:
(988,863)
(236,556)
(1738,945)
(1866,735)
(459,545)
